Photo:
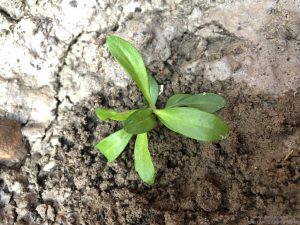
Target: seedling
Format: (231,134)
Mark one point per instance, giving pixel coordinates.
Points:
(186,114)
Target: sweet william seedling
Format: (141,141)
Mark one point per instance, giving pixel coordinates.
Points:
(186,114)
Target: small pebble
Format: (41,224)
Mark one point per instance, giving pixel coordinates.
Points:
(12,149)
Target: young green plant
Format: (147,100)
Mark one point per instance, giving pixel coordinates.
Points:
(186,114)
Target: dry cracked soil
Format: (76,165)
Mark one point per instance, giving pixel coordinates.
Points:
(55,71)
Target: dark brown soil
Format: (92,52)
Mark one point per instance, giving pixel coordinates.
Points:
(249,178)
(252,177)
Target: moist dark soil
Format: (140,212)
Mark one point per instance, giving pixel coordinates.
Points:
(252,177)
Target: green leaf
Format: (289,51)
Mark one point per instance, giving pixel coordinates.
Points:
(113,145)
(207,102)
(105,114)
(131,60)
(176,99)
(153,89)
(140,121)
(193,123)
(142,159)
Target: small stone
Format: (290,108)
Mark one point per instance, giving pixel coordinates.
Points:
(42,209)
(12,150)
(51,213)
(4,197)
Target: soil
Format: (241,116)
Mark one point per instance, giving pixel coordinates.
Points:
(241,180)
(251,177)
(248,178)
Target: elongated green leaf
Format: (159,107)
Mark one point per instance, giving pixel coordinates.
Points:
(193,123)
(207,102)
(176,99)
(105,114)
(140,121)
(142,159)
(131,60)
(113,145)
(153,89)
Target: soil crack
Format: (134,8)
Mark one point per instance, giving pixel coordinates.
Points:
(57,85)
(223,30)
(9,17)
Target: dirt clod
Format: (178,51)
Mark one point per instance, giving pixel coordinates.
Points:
(208,196)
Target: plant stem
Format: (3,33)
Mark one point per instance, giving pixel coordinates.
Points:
(152,106)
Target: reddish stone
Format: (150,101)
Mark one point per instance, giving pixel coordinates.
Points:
(12,150)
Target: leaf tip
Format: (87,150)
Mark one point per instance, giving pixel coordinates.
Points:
(110,38)
(100,113)
(149,180)
(108,159)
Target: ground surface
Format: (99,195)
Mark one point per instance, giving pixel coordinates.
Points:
(55,70)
